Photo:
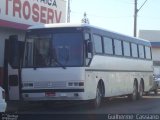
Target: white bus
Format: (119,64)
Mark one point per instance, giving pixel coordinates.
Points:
(83,62)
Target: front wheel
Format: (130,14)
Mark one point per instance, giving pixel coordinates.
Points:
(98,99)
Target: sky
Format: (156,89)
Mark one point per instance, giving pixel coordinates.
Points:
(117,15)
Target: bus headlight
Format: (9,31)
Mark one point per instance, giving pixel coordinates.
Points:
(75,84)
(81,83)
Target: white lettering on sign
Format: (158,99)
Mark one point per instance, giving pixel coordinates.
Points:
(32,12)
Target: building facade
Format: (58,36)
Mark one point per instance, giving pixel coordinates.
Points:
(154,37)
(15,17)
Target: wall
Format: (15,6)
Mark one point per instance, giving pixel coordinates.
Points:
(156,54)
(154,37)
(151,35)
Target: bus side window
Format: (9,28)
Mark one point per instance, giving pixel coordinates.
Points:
(141,51)
(148,52)
(118,47)
(97,43)
(108,45)
(134,50)
(126,49)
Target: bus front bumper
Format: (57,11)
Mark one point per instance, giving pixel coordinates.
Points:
(35,95)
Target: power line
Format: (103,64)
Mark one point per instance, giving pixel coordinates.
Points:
(124,1)
(142,5)
(108,17)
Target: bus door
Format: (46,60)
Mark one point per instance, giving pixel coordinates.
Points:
(13,53)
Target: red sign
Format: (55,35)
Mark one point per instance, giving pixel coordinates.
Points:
(23,13)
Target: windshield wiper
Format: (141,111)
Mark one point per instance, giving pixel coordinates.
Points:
(57,62)
(54,57)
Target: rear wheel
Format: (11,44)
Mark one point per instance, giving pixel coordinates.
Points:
(141,90)
(134,94)
(155,91)
(146,93)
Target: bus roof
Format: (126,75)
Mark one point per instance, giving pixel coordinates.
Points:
(113,34)
(63,25)
(57,25)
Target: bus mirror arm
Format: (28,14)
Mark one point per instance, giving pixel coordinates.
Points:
(54,54)
(89,47)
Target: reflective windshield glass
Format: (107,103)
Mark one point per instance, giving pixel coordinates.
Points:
(68,48)
(53,50)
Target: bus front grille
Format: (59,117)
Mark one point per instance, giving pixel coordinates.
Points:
(57,84)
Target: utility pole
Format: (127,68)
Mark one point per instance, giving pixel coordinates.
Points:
(68,12)
(136,10)
(135,18)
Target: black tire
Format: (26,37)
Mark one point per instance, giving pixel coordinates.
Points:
(155,92)
(134,95)
(141,90)
(147,93)
(98,99)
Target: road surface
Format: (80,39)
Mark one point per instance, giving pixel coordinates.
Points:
(148,104)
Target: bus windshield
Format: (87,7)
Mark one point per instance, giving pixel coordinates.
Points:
(51,49)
